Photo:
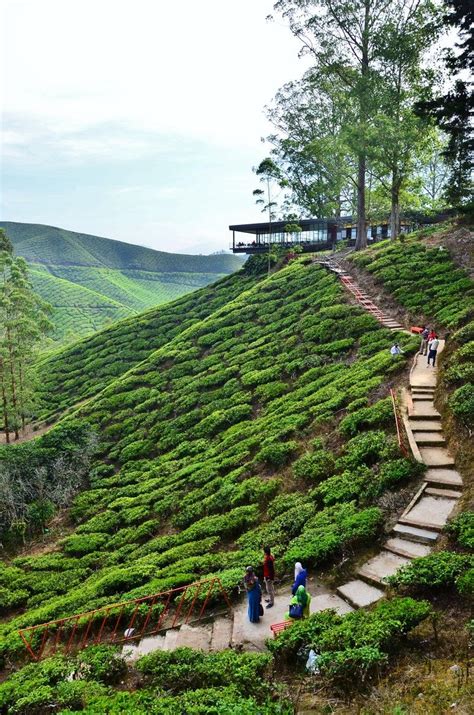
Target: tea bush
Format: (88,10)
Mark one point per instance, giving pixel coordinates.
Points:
(436,571)
(351,646)
(187,682)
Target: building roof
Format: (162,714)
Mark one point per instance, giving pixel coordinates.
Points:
(306,224)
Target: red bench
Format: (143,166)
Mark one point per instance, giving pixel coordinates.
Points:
(415,329)
(277,628)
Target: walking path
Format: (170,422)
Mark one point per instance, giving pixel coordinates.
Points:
(416,531)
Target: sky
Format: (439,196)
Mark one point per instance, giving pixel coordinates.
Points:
(138,120)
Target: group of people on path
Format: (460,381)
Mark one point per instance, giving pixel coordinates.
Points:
(299,603)
(428,346)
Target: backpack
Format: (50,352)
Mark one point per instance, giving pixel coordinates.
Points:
(296,610)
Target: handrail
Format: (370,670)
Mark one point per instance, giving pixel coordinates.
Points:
(146,617)
(401,441)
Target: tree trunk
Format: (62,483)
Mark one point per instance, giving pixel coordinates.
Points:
(361,240)
(395,210)
(6,424)
(13,384)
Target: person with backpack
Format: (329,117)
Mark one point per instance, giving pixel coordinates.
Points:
(269,575)
(433,349)
(424,341)
(299,605)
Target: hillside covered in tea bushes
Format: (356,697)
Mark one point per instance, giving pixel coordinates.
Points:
(254,411)
(92,281)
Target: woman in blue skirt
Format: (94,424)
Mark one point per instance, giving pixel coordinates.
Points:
(254,594)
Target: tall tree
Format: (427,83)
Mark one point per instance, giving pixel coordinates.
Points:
(453,110)
(315,165)
(23,323)
(399,135)
(343,37)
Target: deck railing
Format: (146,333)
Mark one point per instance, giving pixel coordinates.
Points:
(126,621)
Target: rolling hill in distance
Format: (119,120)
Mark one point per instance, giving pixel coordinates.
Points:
(93,281)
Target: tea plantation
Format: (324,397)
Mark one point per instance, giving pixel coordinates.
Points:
(92,281)
(254,411)
(218,442)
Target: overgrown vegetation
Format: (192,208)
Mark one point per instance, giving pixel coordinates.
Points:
(37,478)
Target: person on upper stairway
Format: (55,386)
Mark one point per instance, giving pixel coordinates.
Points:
(424,341)
(300,577)
(433,349)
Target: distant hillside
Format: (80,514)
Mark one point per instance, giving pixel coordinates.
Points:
(93,281)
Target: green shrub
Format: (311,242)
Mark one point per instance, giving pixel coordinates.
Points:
(315,466)
(461,403)
(435,571)
(462,528)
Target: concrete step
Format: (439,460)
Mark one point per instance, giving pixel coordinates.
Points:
(423,400)
(413,533)
(445,493)
(171,639)
(448,477)
(425,425)
(430,439)
(429,512)
(381,566)
(221,634)
(422,411)
(428,391)
(330,600)
(436,457)
(406,548)
(197,637)
(359,594)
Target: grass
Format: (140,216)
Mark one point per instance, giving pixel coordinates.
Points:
(92,282)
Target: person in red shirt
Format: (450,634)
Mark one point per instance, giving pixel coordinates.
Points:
(269,575)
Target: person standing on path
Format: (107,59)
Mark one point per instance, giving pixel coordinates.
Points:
(424,341)
(432,350)
(269,575)
(254,594)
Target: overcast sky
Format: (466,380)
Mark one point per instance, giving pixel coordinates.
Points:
(138,119)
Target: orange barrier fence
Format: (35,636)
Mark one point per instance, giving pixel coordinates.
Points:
(126,621)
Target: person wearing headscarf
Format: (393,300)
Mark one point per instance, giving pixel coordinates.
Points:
(303,599)
(254,594)
(300,577)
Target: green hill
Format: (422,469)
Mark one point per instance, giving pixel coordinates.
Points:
(93,281)
(255,411)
